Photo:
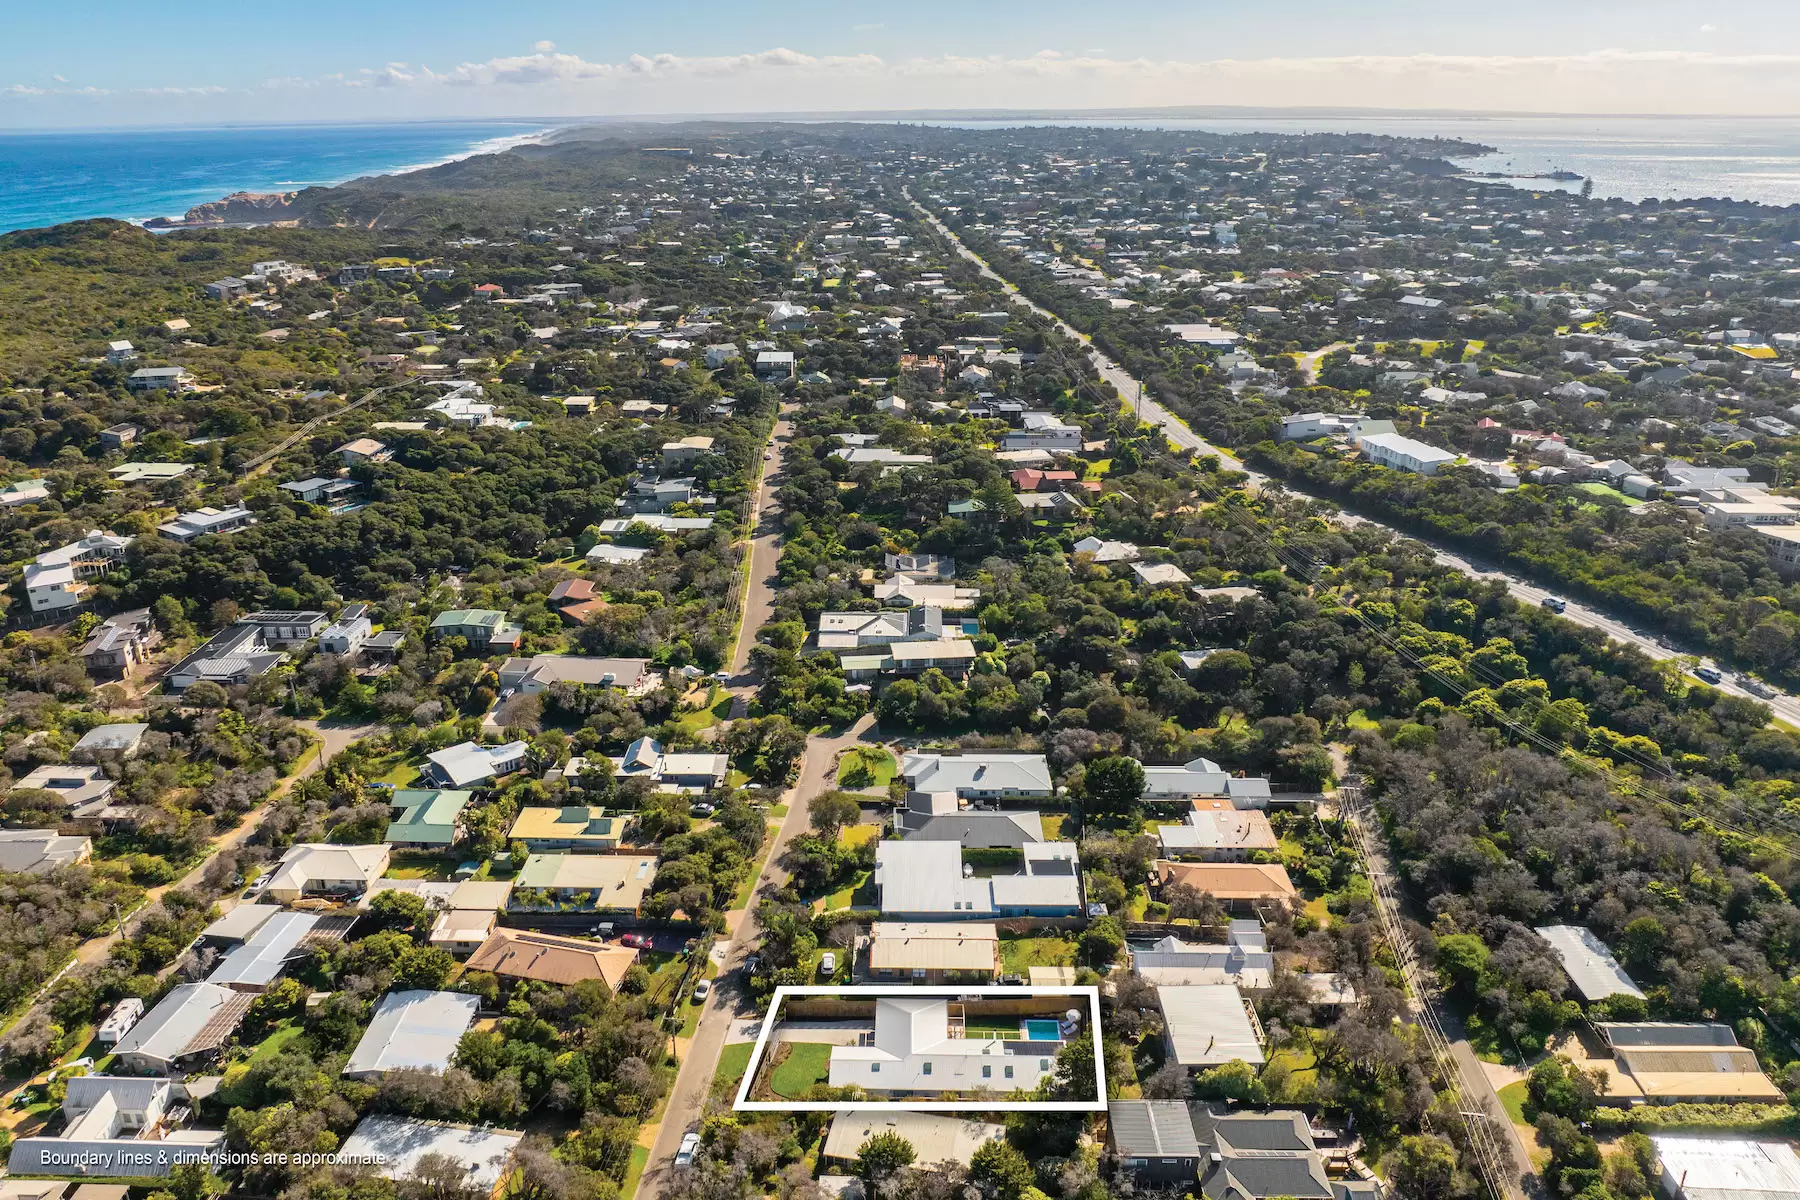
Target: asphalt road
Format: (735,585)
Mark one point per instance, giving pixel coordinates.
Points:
(1784,705)
(765,551)
(728,1002)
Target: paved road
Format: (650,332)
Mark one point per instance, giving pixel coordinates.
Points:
(728,1003)
(765,550)
(1783,704)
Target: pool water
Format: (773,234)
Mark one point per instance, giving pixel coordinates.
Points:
(1043,1031)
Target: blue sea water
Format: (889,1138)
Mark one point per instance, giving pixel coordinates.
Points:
(48,178)
(1636,158)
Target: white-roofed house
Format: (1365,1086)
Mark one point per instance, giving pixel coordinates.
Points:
(1218,835)
(395,1147)
(1208,1025)
(322,869)
(413,1029)
(913,1052)
(1590,966)
(1244,961)
(467,764)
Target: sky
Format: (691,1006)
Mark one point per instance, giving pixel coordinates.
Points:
(110,63)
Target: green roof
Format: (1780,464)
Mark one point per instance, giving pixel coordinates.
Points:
(430,816)
(456,618)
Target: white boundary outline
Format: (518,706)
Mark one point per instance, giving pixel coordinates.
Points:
(743,1103)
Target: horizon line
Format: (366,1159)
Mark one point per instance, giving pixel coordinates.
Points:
(900,115)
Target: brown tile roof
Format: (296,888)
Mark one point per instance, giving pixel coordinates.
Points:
(1229,881)
(522,954)
(578,614)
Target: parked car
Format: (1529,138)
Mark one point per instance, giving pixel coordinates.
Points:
(1013,980)
(690,1144)
(828,963)
(639,940)
(702,990)
(702,809)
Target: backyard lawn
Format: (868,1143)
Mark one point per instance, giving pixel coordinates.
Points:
(856,835)
(1053,823)
(1019,954)
(806,1064)
(402,865)
(859,891)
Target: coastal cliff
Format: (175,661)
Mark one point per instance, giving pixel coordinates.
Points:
(239,208)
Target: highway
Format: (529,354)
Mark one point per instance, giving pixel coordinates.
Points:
(1784,705)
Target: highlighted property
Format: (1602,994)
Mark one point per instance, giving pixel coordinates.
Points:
(879,1047)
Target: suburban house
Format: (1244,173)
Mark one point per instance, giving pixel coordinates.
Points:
(347,634)
(135,1126)
(123,740)
(945,817)
(681,455)
(1238,886)
(934,952)
(1209,1024)
(233,656)
(1219,835)
(533,675)
(907,591)
(25,491)
(1044,431)
(952,655)
(120,643)
(59,579)
(922,566)
(853,630)
(548,958)
(483,628)
(1402,453)
(363,450)
(572,827)
(1104,551)
(188,1025)
(319,490)
(684,772)
(775,364)
(1726,1168)
(1245,960)
(148,472)
(321,869)
(480,1155)
(1153,1140)
(467,764)
(82,789)
(981,775)
(158,379)
(1673,1062)
(1592,970)
(923,880)
(207,521)
(425,819)
(934,1137)
(660,522)
(597,883)
(920,1047)
(414,1029)
(37,851)
(1261,1155)
(263,957)
(1202,778)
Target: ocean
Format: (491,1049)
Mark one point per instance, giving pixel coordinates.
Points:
(48,178)
(1635,158)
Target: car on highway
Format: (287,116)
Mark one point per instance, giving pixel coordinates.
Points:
(1709,674)
(690,1145)
(1754,686)
(1554,603)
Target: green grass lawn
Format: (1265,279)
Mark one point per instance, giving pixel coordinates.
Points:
(1361,720)
(858,889)
(1019,954)
(640,1158)
(734,1060)
(272,1044)
(808,1063)
(991,1027)
(856,835)
(696,719)
(1512,1098)
(865,766)
(1053,823)
(403,865)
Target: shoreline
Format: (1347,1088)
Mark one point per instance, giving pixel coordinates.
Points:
(493,145)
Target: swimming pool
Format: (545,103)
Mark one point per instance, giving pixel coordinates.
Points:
(1043,1031)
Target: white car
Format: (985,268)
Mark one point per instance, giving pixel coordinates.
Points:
(702,990)
(828,964)
(684,1157)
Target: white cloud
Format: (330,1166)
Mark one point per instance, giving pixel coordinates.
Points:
(1709,28)
(545,46)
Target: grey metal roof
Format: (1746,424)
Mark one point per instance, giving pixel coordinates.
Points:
(1152,1129)
(1666,1033)
(261,960)
(413,1029)
(1590,966)
(165,1031)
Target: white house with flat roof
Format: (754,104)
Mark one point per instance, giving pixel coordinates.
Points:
(924,880)
(1719,1168)
(1402,453)
(1209,1024)
(413,1029)
(915,1050)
